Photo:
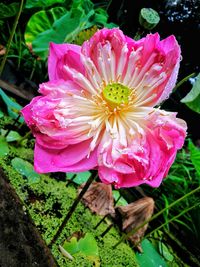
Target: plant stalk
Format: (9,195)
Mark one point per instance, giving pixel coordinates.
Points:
(73,207)
(11,37)
(107,230)
(14,123)
(184,80)
(125,236)
(172,219)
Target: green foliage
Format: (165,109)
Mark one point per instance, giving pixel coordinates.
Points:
(4,149)
(164,250)
(13,108)
(65,28)
(42,21)
(12,136)
(192,99)
(150,257)
(42,3)
(86,245)
(79,178)
(120,200)
(7,11)
(195,156)
(25,168)
(181,179)
(158,241)
(1,114)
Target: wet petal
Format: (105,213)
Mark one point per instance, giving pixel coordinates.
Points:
(61,55)
(70,159)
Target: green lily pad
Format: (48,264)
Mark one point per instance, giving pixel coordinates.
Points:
(122,201)
(192,99)
(4,149)
(25,168)
(86,245)
(12,136)
(80,177)
(71,246)
(150,257)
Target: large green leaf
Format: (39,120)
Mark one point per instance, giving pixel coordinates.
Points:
(195,156)
(7,11)
(13,108)
(25,168)
(150,257)
(42,3)
(192,99)
(42,21)
(63,28)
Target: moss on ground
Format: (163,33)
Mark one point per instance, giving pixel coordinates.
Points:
(48,201)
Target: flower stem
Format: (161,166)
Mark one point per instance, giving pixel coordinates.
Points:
(107,230)
(73,207)
(104,217)
(11,37)
(184,80)
(29,133)
(100,222)
(125,236)
(14,123)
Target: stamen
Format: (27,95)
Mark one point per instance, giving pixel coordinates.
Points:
(122,61)
(144,69)
(80,79)
(93,74)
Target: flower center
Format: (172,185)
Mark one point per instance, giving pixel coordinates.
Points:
(116,94)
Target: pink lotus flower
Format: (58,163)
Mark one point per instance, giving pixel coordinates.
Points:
(98,109)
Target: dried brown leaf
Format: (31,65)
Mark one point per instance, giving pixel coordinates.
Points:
(133,215)
(99,199)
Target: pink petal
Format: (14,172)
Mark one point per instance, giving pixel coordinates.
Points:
(164,57)
(108,175)
(27,111)
(71,159)
(61,55)
(59,88)
(146,160)
(172,49)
